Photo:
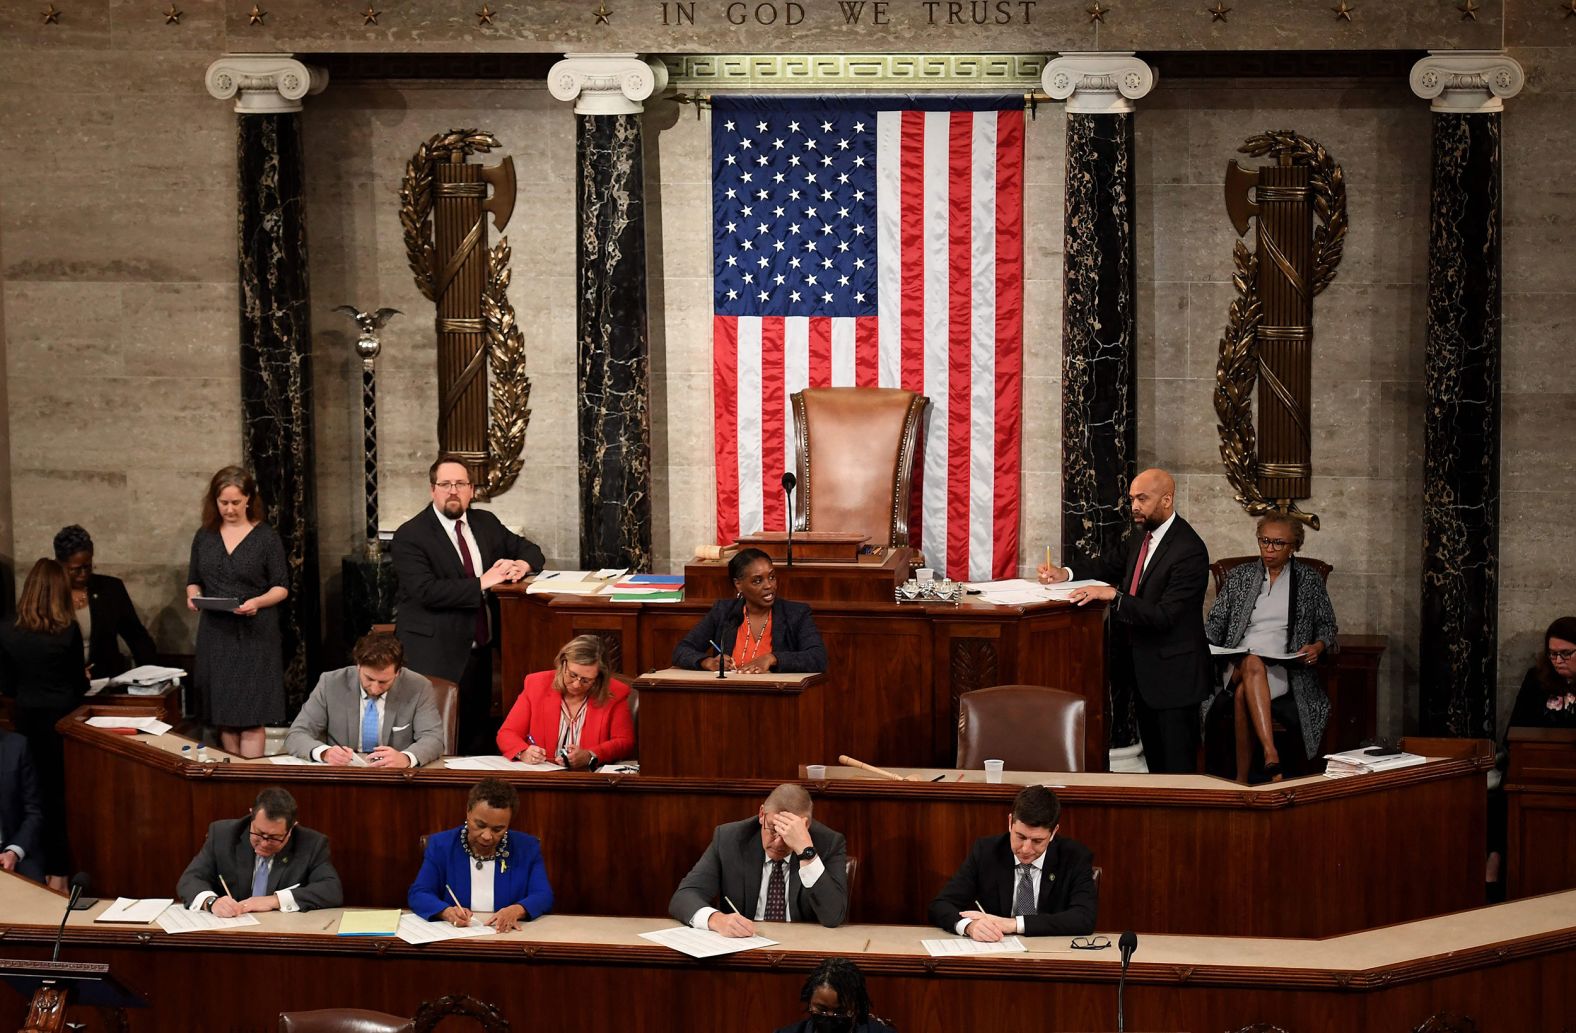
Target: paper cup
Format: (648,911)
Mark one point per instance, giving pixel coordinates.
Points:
(924,574)
(815,772)
(993,770)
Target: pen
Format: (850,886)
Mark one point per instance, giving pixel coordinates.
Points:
(732,905)
(549,577)
(330,924)
(226,888)
(938,778)
(713,644)
(867,945)
(980,908)
(1047,555)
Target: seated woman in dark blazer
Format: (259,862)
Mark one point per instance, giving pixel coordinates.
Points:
(758,631)
(576,715)
(835,1001)
(482,866)
(41,670)
(103,608)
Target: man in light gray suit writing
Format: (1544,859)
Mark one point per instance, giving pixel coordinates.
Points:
(376,707)
(778,866)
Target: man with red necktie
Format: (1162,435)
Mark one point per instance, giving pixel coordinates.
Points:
(1156,591)
(447,558)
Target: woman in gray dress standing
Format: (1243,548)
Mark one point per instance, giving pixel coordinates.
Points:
(240,660)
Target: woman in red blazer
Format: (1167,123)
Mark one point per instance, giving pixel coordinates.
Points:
(576,715)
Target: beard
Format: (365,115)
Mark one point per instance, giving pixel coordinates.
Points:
(453,508)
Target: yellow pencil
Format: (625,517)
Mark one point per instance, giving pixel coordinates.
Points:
(1047,555)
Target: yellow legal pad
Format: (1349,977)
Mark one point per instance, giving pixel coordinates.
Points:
(377,922)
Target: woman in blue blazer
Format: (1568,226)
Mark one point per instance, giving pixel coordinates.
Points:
(482,866)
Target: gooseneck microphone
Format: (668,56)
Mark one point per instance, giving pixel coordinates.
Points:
(79,883)
(789,480)
(1127,945)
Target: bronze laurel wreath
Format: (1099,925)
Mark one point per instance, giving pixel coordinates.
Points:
(509,387)
(1236,373)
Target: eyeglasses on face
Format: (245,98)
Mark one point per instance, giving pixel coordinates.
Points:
(266,838)
(579,679)
(451,485)
(1561,654)
(1091,943)
(1273,543)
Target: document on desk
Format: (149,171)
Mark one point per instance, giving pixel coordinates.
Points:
(177,919)
(151,725)
(417,930)
(130,909)
(703,943)
(958,946)
(374,922)
(1063,589)
(495,764)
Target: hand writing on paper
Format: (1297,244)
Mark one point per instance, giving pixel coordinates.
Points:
(338,756)
(711,662)
(986,928)
(1051,574)
(730,925)
(460,916)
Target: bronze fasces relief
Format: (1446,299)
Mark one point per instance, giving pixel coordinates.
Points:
(483,392)
(1298,207)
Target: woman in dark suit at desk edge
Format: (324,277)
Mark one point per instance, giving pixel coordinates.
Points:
(102,606)
(759,631)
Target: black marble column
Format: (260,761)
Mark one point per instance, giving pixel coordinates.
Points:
(615,392)
(276,374)
(1099,358)
(1461,371)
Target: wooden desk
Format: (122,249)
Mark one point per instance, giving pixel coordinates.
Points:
(1511,969)
(1540,800)
(1181,853)
(896,669)
(696,725)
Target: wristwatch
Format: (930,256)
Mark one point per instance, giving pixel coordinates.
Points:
(808,854)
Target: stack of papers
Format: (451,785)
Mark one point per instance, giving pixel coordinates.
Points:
(148,676)
(177,919)
(703,943)
(130,909)
(566,582)
(496,764)
(1022,592)
(417,930)
(1262,654)
(151,725)
(377,922)
(650,588)
(957,946)
(1362,762)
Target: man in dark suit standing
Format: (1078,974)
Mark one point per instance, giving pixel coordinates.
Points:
(262,862)
(447,558)
(1029,882)
(1156,594)
(21,810)
(778,866)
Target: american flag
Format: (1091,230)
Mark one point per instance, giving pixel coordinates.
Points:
(873,242)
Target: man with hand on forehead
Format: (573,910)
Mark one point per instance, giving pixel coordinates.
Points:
(778,866)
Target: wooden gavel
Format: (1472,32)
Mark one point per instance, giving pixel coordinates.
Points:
(855,763)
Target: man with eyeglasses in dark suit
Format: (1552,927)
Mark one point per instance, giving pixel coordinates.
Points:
(262,862)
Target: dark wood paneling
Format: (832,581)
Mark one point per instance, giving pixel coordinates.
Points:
(709,727)
(1540,798)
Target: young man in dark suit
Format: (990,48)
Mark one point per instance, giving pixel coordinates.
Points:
(1156,592)
(447,558)
(1029,882)
(262,862)
(777,866)
(21,810)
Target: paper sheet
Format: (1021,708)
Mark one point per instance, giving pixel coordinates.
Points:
(610,573)
(151,725)
(130,909)
(958,946)
(286,758)
(495,764)
(703,943)
(375,922)
(177,919)
(1215,650)
(147,674)
(417,930)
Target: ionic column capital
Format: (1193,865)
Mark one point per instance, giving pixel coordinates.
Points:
(264,84)
(607,84)
(1098,83)
(1467,82)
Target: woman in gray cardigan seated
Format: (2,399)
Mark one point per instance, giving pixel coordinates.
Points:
(1276,605)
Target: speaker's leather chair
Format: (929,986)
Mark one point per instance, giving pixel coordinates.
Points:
(1030,727)
(343,1020)
(446,695)
(856,460)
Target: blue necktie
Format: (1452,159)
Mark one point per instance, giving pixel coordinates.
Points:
(260,879)
(369,726)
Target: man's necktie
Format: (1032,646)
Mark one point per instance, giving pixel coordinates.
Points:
(369,727)
(777,894)
(480,633)
(1138,568)
(1023,896)
(260,879)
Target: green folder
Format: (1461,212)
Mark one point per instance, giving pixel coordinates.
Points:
(379,922)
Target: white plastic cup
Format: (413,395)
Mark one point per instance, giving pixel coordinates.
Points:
(815,772)
(993,770)
(924,574)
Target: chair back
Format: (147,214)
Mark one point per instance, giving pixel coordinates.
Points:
(1220,568)
(446,695)
(343,1020)
(856,460)
(1030,727)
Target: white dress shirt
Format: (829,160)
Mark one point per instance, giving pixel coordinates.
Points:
(482,883)
(287,901)
(809,875)
(361,709)
(1036,870)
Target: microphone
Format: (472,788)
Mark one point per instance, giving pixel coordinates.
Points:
(79,882)
(1127,945)
(789,480)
